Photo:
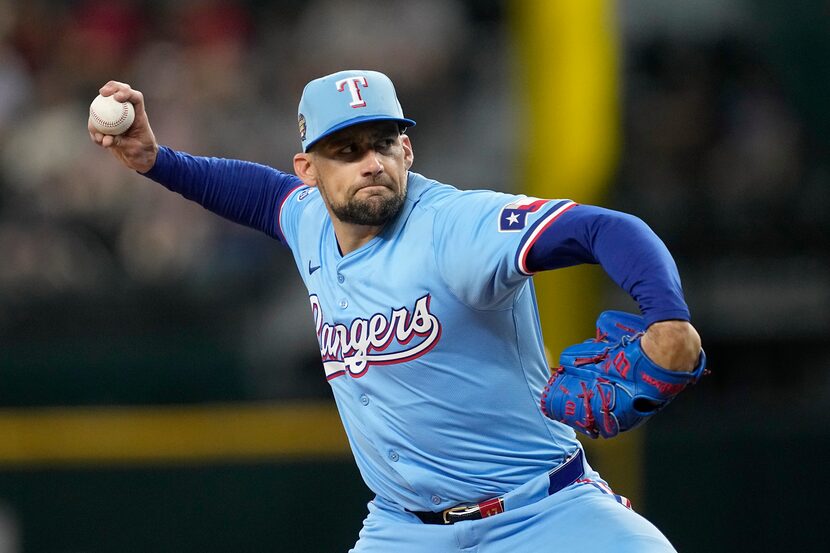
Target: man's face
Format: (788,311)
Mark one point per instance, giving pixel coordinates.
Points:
(361,172)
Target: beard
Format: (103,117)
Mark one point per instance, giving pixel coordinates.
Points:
(373,211)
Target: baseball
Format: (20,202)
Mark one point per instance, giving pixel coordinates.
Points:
(110,116)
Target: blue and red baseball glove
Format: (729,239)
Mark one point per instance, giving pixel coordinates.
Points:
(607,385)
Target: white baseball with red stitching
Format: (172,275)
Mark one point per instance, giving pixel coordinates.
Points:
(110,116)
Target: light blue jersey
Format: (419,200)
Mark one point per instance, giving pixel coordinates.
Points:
(430,339)
(429,336)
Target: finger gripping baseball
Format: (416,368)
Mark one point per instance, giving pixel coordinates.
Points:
(602,388)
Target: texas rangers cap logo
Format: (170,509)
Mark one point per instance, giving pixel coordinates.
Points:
(354,84)
(513,216)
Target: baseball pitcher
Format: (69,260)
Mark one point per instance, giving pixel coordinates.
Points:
(425,313)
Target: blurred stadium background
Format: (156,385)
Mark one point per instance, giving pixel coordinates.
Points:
(160,387)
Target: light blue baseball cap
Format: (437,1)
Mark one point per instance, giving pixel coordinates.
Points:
(346,98)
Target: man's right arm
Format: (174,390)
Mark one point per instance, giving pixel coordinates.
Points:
(247,193)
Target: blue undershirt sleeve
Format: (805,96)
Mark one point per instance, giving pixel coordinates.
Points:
(626,248)
(247,193)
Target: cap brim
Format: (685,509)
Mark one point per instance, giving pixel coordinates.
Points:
(357,121)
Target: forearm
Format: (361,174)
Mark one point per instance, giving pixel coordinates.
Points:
(244,192)
(638,261)
(626,248)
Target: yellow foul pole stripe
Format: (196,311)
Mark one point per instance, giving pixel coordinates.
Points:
(568,69)
(136,435)
(567,66)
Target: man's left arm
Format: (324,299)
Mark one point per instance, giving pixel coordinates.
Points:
(638,261)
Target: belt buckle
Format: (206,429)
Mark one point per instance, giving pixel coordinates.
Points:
(462,510)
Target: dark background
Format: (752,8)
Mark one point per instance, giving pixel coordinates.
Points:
(114,292)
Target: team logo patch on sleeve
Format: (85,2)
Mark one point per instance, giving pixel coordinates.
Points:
(513,216)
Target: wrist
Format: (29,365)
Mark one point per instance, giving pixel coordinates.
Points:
(149,159)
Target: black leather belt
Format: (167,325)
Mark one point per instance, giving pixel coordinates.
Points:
(562,476)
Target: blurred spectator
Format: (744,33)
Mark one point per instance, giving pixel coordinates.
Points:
(715,155)
(221,77)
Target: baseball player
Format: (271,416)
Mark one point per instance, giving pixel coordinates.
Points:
(426,317)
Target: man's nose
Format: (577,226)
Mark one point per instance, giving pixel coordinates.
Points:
(371,165)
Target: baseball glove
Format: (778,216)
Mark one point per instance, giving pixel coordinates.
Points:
(607,385)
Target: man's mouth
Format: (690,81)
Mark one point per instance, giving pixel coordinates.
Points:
(374,188)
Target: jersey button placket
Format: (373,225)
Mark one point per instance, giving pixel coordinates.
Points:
(344,303)
(364,399)
(340,278)
(393,456)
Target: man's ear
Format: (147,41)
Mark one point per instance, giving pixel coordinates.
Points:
(304,168)
(408,155)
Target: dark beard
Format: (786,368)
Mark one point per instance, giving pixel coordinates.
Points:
(374,213)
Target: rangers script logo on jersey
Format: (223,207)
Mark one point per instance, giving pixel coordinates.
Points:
(365,342)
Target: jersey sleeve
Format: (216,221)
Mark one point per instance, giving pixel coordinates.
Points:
(627,249)
(487,244)
(479,237)
(247,193)
(300,213)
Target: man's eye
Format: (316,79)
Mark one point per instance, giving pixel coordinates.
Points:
(386,143)
(347,149)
